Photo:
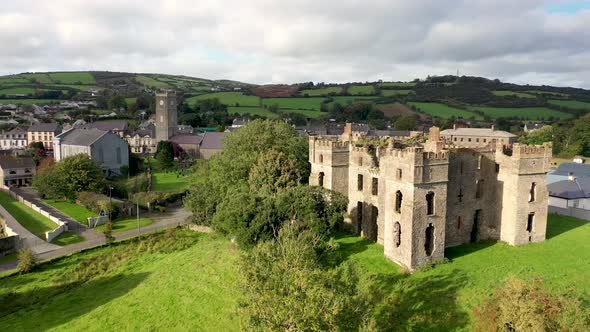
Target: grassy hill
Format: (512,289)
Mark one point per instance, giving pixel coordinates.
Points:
(188,282)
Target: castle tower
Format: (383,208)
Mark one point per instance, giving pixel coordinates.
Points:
(414,205)
(166,115)
(329,164)
(522,170)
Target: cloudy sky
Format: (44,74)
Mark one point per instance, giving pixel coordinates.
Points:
(276,41)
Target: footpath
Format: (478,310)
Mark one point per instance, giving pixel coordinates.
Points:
(175,216)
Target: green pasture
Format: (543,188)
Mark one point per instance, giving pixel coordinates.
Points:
(388,85)
(513,93)
(227,98)
(72,78)
(443,111)
(580,105)
(252,111)
(311,103)
(148,81)
(529,113)
(388,93)
(361,90)
(322,91)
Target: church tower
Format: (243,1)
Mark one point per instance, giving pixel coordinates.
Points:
(166,115)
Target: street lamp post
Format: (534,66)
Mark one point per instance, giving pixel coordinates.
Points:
(110,202)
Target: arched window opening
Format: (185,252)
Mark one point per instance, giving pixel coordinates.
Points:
(478,188)
(321,158)
(321,179)
(429,240)
(398,201)
(430,203)
(397,234)
(459,222)
(532,192)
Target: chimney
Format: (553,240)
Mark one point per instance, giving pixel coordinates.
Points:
(571,177)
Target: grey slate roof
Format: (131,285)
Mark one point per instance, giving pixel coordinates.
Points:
(212,140)
(81,137)
(107,125)
(482,132)
(16,162)
(578,170)
(186,139)
(55,127)
(578,188)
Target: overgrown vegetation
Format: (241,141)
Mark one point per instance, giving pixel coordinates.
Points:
(26,260)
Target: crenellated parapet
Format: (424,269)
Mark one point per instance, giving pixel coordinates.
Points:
(525,159)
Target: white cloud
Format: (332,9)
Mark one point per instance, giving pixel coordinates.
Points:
(263,41)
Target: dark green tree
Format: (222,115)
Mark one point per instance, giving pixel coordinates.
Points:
(165,154)
(117,102)
(406,122)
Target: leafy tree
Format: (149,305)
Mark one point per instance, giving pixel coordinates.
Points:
(108,232)
(165,154)
(274,171)
(539,136)
(406,122)
(117,102)
(286,287)
(68,177)
(581,134)
(26,260)
(37,151)
(518,305)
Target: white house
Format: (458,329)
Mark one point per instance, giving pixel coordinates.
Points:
(110,151)
(570,197)
(14,139)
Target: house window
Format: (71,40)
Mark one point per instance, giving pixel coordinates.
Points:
(478,188)
(469,139)
(399,173)
(429,240)
(532,192)
(360,182)
(430,203)
(398,201)
(455,139)
(27,170)
(397,234)
(12,172)
(375,186)
(530,221)
(477,140)
(484,140)
(321,179)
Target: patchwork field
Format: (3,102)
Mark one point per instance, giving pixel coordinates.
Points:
(322,92)
(72,78)
(513,93)
(395,109)
(148,81)
(307,113)
(366,90)
(252,111)
(530,113)
(17,91)
(444,111)
(190,283)
(396,92)
(30,101)
(228,98)
(312,103)
(580,105)
(548,92)
(386,85)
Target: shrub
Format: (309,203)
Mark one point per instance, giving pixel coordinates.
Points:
(26,260)
(108,233)
(518,305)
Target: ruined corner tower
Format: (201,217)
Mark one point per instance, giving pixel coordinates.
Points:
(329,164)
(166,115)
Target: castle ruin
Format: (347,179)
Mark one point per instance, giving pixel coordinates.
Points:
(420,196)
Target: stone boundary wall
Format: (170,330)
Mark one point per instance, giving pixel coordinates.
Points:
(572,212)
(62,226)
(11,243)
(97,221)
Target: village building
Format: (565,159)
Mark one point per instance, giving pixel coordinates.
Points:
(118,128)
(44,133)
(211,144)
(570,197)
(108,150)
(13,139)
(416,199)
(16,171)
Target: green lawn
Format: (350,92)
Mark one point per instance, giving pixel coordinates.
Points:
(443,111)
(17,91)
(322,91)
(67,238)
(227,98)
(513,93)
(529,113)
(31,220)
(30,101)
(396,92)
(195,288)
(72,78)
(42,78)
(130,100)
(395,84)
(13,80)
(580,105)
(311,103)
(252,111)
(146,80)
(127,224)
(361,90)
(76,86)
(168,181)
(73,210)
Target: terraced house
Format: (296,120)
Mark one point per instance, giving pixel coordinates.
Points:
(419,198)
(44,133)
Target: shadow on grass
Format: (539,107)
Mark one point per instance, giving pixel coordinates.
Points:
(45,308)
(416,303)
(559,224)
(466,249)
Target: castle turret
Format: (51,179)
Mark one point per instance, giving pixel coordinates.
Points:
(522,170)
(166,115)
(329,164)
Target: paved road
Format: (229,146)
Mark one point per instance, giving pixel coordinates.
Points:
(175,216)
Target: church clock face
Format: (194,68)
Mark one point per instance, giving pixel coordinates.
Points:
(161,103)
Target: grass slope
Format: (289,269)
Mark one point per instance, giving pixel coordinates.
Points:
(529,113)
(228,98)
(322,91)
(67,238)
(73,210)
(31,220)
(72,78)
(168,181)
(311,103)
(308,113)
(251,111)
(148,81)
(512,93)
(395,92)
(127,224)
(443,111)
(580,105)
(361,90)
